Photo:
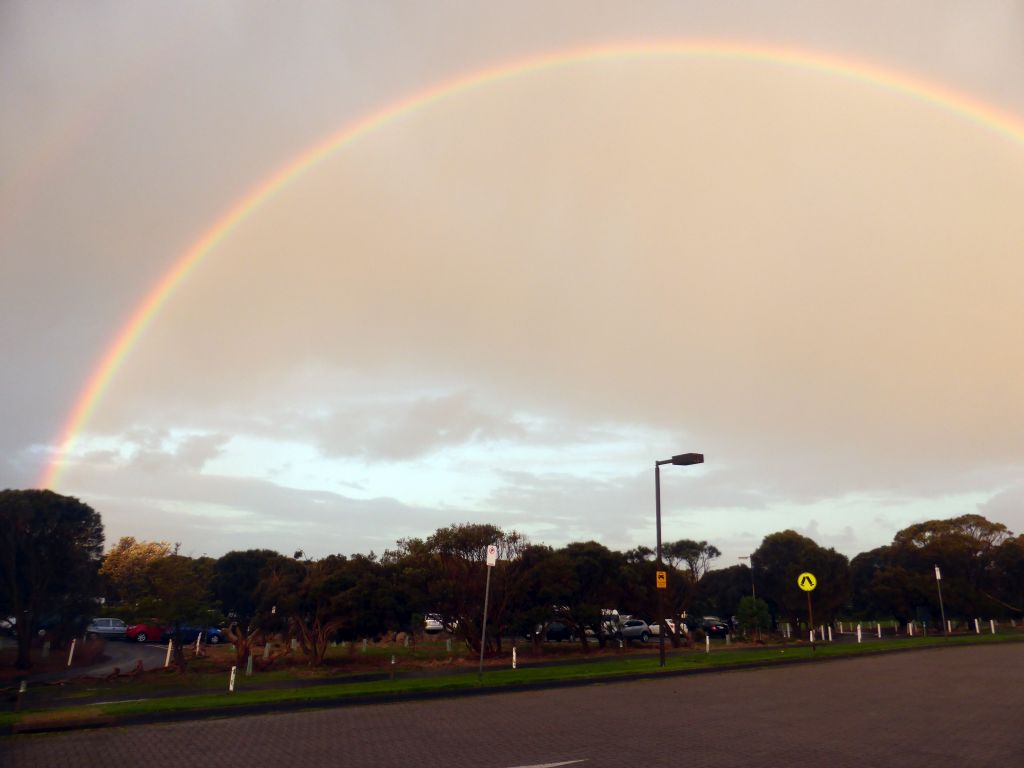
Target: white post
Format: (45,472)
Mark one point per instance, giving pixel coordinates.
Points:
(812,637)
(992,623)
(910,629)
(71,653)
(167,661)
(231,681)
(977,627)
(879,626)
(858,633)
(707,644)
(1013,623)
(199,637)
(949,627)
(830,633)
(513,657)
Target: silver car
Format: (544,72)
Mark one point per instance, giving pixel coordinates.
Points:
(635,629)
(108,629)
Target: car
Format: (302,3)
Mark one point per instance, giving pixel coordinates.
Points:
(557,631)
(188,634)
(656,628)
(433,623)
(635,629)
(714,627)
(108,629)
(146,632)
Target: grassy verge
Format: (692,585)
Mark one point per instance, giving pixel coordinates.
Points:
(327,693)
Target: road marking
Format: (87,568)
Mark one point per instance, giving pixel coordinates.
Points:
(552,765)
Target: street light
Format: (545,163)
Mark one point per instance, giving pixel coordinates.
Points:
(683,459)
(753,592)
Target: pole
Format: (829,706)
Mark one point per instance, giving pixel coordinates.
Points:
(483,631)
(810,620)
(661,595)
(938,584)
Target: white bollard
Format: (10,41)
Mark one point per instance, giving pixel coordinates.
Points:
(71,653)
(199,638)
(879,626)
(910,629)
(1013,623)
(231,681)
(858,633)
(830,634)
(167,660)
(812,637)
(949,627)
(707,644)
(977,627)
(513,657)
(992,623)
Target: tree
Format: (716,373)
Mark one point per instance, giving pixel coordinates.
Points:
(236,580)
(124,567)
(753,614)
(178,593)
(782,557)
(50,548)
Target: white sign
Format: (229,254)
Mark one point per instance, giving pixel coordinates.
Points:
(938,574)
(492,555)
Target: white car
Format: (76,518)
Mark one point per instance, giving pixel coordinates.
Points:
(432,624)
(656,629)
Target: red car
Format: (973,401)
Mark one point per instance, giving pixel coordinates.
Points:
(144,633)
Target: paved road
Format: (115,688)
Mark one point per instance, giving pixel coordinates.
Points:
(122,655)
(961,706)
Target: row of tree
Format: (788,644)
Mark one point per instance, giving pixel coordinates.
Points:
(53,570)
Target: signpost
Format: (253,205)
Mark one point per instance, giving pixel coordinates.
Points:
(492,559)
(807,582)
(938,584)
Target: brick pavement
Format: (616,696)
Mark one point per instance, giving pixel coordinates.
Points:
(962,706)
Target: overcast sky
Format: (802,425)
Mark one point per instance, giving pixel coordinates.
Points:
(506,304)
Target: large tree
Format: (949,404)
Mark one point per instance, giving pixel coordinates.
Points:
(124,568)
(50,548)
(236,579)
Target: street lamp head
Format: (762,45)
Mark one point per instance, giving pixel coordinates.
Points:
(688,458)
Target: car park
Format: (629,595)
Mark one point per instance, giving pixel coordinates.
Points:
(635,629)
(145,632)
(108,629)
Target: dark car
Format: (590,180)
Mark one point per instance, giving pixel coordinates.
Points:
(714,627)
(188,634)
(558,631)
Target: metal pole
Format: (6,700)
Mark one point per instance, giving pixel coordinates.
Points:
(483,631)
(938,584)
(753,592)
(662,628)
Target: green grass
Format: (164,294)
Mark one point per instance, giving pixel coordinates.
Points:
(405,684)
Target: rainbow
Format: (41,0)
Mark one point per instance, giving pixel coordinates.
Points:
(135,327)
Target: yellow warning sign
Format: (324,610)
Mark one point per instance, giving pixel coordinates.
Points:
(806,581)
(661,580)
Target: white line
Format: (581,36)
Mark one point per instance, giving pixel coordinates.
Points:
(552,765)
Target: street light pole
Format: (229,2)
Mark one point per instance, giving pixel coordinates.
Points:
(682,459)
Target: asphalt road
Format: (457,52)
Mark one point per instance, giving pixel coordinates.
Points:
(120,654)
(961,706)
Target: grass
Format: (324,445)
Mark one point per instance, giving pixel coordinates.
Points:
(405,684)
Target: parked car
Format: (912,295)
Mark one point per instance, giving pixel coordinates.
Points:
(188,634)
(558,631)
(714,627)
(635,629)
(656,628)
(108,629)
(432,623)
(147,632)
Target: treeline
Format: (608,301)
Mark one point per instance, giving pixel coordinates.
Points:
(53,568)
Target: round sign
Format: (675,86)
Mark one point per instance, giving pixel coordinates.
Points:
(806,581)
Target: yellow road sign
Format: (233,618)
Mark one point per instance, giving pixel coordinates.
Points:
(661,580)
(806,581)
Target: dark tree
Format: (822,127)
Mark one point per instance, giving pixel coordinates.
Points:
(50,550)
(236,579)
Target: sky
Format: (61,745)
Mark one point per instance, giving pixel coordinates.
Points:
(504,303)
